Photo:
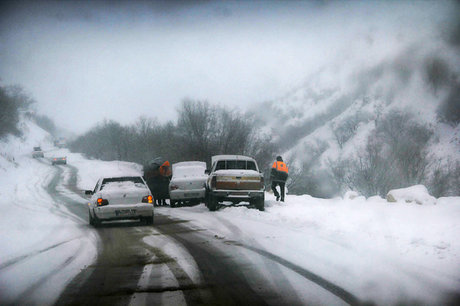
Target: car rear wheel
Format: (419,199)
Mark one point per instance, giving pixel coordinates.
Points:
(93,220)
(148,220)
(260,204)
(172,203)
(212,202)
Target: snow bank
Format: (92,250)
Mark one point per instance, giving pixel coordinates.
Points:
(418,194)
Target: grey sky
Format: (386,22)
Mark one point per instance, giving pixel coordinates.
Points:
(85,61)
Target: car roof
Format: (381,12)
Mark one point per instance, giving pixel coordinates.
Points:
(230,157)
(189,164)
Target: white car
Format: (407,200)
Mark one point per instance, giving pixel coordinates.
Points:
(188,182)
(37,152)
(120,198)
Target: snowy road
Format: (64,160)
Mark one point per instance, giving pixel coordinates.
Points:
(175,263)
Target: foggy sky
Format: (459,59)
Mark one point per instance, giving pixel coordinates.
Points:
(86,61)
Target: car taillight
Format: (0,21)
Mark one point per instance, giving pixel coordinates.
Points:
(174,187)
(102,202)
(147,199)
(213,182)
(262,183)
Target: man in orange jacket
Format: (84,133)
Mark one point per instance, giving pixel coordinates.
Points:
(279,175)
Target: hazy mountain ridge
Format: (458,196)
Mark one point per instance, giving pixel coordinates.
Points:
(333,114)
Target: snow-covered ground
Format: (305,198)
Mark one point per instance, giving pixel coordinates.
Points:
(42,245)
(379,251)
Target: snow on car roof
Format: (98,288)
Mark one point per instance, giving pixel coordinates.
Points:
(188,171)
(124,185)
(230,157)
(188,164)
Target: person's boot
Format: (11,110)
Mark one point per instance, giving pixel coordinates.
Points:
(282,199)
(278,198)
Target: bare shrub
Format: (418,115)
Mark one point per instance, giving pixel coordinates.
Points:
(444,179)
(396,155)
(13,100)
(346,129)
(449,110)
(202,130)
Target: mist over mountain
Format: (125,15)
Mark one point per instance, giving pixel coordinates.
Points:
(389,87)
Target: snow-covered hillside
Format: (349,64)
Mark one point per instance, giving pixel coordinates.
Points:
(386,69)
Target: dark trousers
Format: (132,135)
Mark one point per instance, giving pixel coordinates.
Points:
(275,192)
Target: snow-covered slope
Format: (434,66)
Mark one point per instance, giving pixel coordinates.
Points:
(380,70)
(42,245)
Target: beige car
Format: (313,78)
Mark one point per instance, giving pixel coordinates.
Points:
(234,179)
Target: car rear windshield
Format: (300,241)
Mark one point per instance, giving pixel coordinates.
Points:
(236,164)
(135,179)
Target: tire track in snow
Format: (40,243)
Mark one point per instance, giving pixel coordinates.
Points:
(320,281)
(27,296)
(26,256)
(45,187)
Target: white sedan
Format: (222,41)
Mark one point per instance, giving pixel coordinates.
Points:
(120,198)
(188,182)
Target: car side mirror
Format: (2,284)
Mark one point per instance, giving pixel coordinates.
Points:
(88,192)
(207,171)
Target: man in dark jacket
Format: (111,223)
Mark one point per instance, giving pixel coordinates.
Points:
(279,175)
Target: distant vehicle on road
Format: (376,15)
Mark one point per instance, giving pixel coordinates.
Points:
(59,160)
(37,152)
(235,179)
(60,143)
(188,182)
(120,198)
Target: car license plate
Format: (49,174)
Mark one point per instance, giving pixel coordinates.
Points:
(124,212)
(191,194)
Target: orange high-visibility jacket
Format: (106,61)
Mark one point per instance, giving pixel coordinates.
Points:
(280,166)
(165,169)
(279,172)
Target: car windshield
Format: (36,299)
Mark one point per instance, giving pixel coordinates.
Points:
(119,182)
(236,164)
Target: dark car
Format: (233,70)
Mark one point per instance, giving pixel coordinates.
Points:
(59,160)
